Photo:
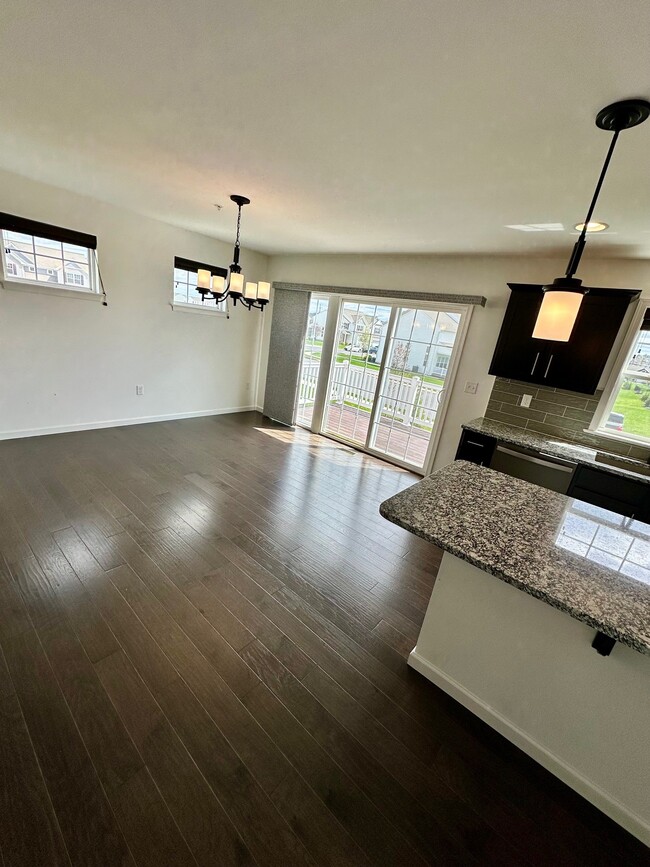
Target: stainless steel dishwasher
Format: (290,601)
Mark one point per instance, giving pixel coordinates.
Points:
(544,470)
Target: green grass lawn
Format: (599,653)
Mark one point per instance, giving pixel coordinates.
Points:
(357,361)
(637,416)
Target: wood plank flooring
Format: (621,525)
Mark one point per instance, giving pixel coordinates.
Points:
(203,633)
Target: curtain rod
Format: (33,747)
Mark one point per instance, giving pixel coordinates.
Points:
(448,298)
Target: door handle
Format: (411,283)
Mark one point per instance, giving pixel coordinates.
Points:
(548,366)
(534,364)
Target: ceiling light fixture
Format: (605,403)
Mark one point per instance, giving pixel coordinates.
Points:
(218,287)
(537,227)
(592,226)
(562,298)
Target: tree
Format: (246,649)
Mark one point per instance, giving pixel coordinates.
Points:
(401,352)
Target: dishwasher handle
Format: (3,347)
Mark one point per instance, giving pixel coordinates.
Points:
(551,461)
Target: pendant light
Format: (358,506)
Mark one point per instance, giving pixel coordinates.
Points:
(563,297)
(218,287)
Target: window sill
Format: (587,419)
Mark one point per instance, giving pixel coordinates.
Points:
(619,437)
(45,289)
(179,307)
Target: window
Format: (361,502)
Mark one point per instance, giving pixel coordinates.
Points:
(442,362)
(624,412)
(185,292)
(37,253)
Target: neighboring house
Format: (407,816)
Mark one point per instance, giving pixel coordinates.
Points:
(41,263)
(358,327)
(430,338)
(316,324)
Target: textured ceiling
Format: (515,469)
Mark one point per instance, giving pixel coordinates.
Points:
(359,126)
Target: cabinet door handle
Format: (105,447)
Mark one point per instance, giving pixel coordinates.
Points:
(474,443)
(535,364)
(548,366)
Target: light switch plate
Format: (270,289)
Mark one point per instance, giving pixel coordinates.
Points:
(525,400)
(471,387)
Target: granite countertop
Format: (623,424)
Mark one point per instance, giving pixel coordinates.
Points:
(528,439)
(586,561)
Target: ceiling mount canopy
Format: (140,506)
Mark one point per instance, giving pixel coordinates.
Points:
(218,287)
(562,298)
(623,115)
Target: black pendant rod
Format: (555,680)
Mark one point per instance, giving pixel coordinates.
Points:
(579,246)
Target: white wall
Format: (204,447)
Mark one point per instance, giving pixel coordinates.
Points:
(472,275)
(529,671)
(66,362)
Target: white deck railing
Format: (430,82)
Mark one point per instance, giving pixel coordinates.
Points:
(406,399)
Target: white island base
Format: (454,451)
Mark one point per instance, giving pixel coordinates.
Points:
(529,671)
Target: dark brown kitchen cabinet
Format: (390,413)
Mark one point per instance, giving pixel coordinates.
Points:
(576,365)
(626,496)
(476,447)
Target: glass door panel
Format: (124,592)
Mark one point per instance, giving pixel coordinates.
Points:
(311,356)
(412,383)
(359,347)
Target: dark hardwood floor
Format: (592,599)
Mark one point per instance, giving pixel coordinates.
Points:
(204,626)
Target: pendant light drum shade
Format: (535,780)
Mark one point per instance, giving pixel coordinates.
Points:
(557,315)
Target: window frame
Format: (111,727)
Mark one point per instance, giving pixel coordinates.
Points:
(58,234)
(612,388)
(190,265)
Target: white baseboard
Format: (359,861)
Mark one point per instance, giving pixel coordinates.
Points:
(120,422)
(569,775)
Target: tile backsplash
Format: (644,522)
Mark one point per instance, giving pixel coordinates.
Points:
(564,414)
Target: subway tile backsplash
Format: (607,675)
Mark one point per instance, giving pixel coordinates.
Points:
(563,414)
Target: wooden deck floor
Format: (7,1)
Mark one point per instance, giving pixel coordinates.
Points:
(204,626)
(406,444)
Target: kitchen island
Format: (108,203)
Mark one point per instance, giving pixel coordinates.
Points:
(529,581)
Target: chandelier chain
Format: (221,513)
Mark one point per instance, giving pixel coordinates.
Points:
(238,226)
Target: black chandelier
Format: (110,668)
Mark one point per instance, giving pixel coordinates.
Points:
(563,297)
(218,287)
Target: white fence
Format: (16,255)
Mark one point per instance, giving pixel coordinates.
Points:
(408,400)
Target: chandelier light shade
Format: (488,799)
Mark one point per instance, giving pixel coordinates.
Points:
(218,284)
(203,280)
(234,286)
(563,297)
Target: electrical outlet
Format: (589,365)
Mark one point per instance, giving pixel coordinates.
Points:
(525,400)
(471,387)
(139,390)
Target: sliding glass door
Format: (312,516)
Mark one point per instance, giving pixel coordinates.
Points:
(311,358)
(385,375)
(359,346)
(412,384)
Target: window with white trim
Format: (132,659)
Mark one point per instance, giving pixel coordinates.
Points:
(44,255)
(185,291)
(625,408)
(74,277)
